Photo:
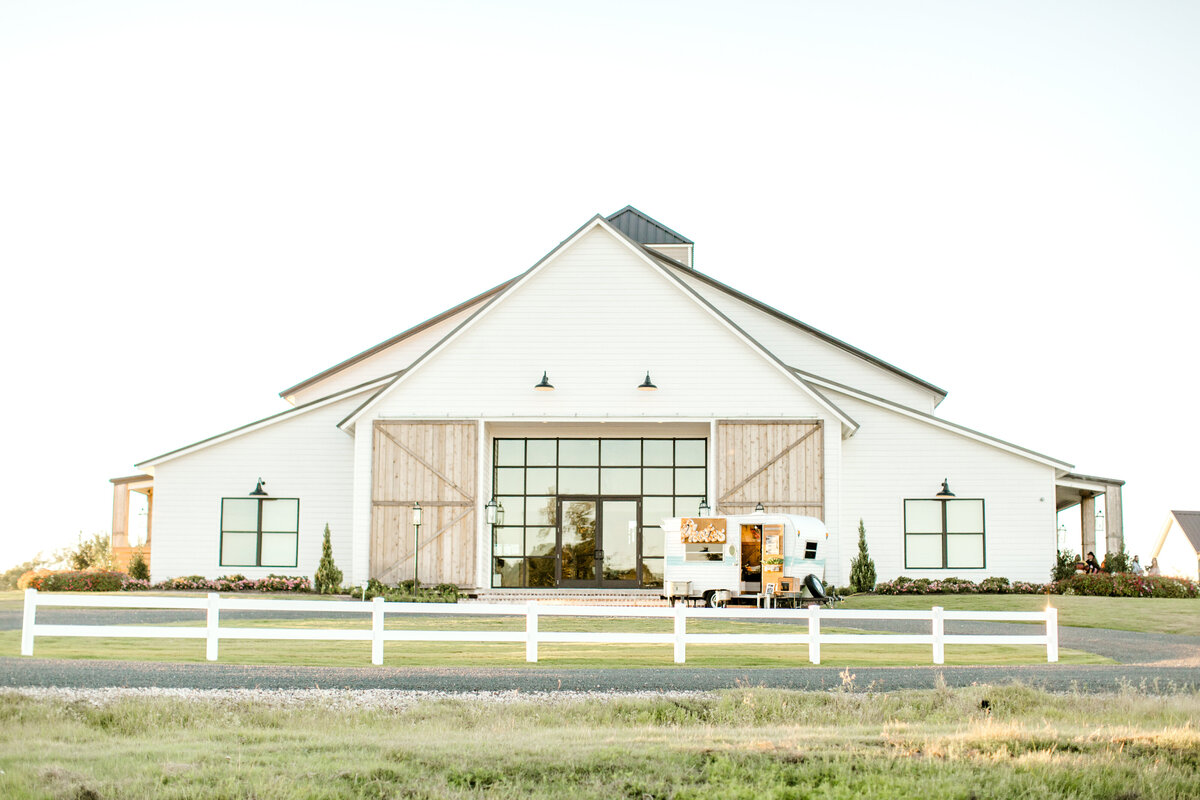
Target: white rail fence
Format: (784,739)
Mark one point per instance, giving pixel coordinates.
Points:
(212,631)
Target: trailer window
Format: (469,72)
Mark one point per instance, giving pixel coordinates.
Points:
(703,552)
(810,550)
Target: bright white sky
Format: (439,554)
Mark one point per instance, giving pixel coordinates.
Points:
(204,203)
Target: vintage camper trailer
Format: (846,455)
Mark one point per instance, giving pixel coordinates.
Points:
(744,555)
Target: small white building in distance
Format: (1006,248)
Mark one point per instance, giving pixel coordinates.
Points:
(605,388)
(1178,546)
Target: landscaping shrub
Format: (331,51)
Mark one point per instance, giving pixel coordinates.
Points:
(903,585)
(1064,565)
(862,568)
(1118,561)
(237,583)
(138,568)
(82,581)
(1124,584)
(328,578)
(407,592)
(10,577)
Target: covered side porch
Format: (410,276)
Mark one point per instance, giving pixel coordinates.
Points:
(122,547)
(1072,489)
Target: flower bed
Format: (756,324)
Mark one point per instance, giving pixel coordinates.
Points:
(107,581)
(903,585)
(1101,584)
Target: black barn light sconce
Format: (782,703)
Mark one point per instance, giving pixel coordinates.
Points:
(945,493)
(647,385)
(259,491)
(544,385)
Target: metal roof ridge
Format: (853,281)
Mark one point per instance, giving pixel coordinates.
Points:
(682,239)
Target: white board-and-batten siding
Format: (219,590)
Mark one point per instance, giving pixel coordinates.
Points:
(303,456)
(809,353)
(596,320)
(391,359)
(894,457)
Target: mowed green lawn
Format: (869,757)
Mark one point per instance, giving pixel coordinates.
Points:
(1147,614)
(751,744)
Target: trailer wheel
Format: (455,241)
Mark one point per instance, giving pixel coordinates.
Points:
(708,599)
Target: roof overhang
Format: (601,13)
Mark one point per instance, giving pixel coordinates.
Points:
(1072,488)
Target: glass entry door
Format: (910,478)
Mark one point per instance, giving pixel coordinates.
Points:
(598,541)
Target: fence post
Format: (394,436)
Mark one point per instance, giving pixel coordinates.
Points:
(27,622)
(939,636)
(1051,635)
(680,633)
(377,631)
(531,632)
(814,633)
(214,619)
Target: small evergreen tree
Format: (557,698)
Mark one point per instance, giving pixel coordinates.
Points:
(862,568)
(329,578)
(138,568)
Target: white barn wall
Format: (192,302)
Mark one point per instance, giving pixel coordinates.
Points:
(893,458)
(305,456)
(596,319)
(1177,558)
(392,359)
(804,351)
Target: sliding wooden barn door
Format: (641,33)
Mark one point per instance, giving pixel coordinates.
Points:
(434,463)
(780,464)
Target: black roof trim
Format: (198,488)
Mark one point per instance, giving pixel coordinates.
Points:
(761,306)
(643,228)
(304,384)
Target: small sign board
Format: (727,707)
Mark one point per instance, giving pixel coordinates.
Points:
(696,530)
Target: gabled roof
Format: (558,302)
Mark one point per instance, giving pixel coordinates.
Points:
(429,323)
(320,402)
(938,422)
(774,312)
(1189,523)
(644,254)
(644,229)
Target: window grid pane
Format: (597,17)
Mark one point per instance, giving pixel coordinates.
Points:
(524,547)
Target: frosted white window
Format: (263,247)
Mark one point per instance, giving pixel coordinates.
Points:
(259,532)
(621,481)
(924,551)
(239,549)
(944,534)
(964,516)
(278,550)
(923,516)
(281,515)
(238,514)
(964,550)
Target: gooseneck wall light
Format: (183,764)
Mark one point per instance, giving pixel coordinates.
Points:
(544,385)
(647,385)
(945,492)
(259,491)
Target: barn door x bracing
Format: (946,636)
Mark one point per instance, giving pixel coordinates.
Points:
(435,464)
(779,463)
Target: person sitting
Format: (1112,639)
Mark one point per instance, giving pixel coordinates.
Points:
(1153,569)
(1090,562)
(1136,567)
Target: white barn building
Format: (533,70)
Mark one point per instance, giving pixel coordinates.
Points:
(576,383)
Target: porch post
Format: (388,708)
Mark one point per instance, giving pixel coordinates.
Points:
(1087,523)
(1114,530)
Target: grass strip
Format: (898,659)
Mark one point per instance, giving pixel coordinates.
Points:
(748,743)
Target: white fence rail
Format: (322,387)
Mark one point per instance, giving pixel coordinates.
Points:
(212,631)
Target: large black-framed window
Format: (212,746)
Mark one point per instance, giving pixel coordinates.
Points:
(669,475)
(944,534)
(260,531)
